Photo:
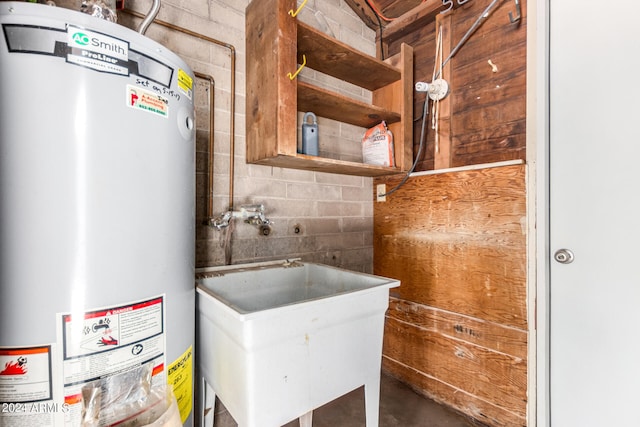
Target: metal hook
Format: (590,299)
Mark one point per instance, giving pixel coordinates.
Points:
(518,13)
(292,13)
(304,62)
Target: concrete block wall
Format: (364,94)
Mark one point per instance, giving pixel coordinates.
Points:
(316,216)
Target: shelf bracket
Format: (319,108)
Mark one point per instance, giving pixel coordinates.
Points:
(292,13)
(294,75)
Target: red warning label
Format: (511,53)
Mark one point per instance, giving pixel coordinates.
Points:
(25,374)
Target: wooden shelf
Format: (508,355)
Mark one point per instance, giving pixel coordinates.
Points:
(323,164)
(275,45)
(334,106)
(333,57)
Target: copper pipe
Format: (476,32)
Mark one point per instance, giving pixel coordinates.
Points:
(212,86)
(232,54)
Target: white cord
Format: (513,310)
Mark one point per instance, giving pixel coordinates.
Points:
(435,111)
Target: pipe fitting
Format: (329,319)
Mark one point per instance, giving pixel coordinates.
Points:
(265,229)
(151,15)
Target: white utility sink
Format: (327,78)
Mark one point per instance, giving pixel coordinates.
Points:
(277,340)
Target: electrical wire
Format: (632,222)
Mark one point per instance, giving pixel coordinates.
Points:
(425,113)
(380,26)
(377,12)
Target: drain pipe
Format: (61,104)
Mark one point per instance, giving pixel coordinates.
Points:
(232,108)
(151,15)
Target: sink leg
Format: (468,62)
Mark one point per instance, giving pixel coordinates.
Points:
(372,402)
(208,405)
(306,420)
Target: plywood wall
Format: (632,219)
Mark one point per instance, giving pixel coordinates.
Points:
(456,329)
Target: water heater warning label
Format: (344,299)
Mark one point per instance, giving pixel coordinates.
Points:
(27,391)
(100,344)
(25,374)
(180,376)
(185,83)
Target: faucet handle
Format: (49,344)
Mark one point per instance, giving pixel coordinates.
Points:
(221,221)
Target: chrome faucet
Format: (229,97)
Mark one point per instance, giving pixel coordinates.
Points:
(251,214)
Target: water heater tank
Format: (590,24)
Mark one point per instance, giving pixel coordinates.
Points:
(96,217)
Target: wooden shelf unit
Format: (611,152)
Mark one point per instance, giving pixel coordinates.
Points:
(276,43)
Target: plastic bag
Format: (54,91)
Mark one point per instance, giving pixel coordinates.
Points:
(127,399)
(377,146)
(171,416)
(162,412)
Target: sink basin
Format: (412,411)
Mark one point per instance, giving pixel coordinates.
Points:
(277,340)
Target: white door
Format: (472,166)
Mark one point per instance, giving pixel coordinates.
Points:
(595,212)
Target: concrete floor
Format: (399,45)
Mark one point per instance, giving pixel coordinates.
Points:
(399,407)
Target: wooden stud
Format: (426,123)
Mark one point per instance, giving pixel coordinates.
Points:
(442,157)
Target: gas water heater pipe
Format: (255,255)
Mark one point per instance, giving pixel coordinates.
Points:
(232,108)
(151,15)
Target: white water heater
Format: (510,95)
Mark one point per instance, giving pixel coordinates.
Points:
(96,217)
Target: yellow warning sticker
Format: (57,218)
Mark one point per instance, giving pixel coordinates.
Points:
(185,82)
(180,376)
